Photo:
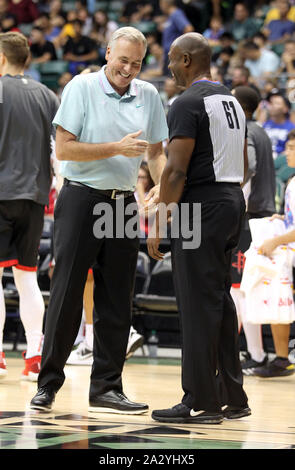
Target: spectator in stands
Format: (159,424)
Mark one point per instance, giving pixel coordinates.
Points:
(277,31)
(172,92)
(3,9)
(51,32)
(102,29)
(68,30)
(25,11)
(136,11)
(224,59)
(63,80)
(260,62)
(56,13)
(8,23)
(278,125)
(80,50)
(154,62)
(240,77)
(242,26)
(288,58)
(83,15)
(274,13)
(216,74)
(41,49)
(214,31)
(176,25)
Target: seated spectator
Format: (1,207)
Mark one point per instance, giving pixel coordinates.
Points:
(136,11)
(154,62)
(214,31)
(68,30)
(216,74)
(4,9)
(226,39)
(9,23)
(278,124)
(83,15)
(242,26)
(277,31)
(79,50)
(274,12)
(56,14)
(63,80)
(102,29)
(176,24)
(25,11)
(172,92)
(51,32)
(41,49)
(260,62)
(288,58)
(224,58)
(240,76)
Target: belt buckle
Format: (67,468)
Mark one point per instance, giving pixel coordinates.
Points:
(115,195)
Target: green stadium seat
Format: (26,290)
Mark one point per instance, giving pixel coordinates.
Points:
(116,7)
(145,26)
(68,6)
(51,71)
(26,28)
(101,6)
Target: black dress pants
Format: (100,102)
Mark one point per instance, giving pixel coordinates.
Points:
(76,249)
(211,370)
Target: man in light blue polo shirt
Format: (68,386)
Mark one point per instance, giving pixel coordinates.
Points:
(106,122)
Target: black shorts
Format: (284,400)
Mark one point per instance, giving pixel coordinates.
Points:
(21,226)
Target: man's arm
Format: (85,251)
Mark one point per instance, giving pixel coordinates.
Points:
(68,148)
(171,186)
(156,161)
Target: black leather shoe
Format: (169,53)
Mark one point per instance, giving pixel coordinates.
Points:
(43,399)
(235,412)
(115,402)
(183,414)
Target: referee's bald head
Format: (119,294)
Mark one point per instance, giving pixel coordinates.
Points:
(197,47)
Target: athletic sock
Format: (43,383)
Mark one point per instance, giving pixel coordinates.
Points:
(31,309)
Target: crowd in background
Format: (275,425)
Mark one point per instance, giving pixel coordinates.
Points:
(253,43)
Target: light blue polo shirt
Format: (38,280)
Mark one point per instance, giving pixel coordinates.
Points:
(94,112)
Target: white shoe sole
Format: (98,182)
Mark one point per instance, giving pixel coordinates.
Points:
(31,377)
(97,409)
(3,374)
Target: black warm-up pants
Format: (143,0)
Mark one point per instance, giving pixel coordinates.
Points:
(211,370)
(76,249)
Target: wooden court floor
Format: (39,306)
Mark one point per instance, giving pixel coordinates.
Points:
(156,382)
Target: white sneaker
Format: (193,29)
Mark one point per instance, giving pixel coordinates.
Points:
(82,356)
(135,341)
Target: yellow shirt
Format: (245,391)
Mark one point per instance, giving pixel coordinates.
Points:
(274,14)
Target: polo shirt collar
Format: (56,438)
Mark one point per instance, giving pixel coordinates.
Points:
(109,90)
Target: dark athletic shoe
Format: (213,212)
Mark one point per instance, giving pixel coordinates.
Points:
(182,414)
(234,412)
(276,368)
(249,365)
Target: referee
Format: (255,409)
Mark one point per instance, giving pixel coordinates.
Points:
(205,165)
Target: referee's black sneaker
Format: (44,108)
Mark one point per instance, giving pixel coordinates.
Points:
(43,399)
(115,402)
(183,414)
(235,412)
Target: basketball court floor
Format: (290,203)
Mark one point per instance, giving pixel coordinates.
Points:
(156,382)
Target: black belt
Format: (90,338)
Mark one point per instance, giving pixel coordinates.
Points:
(111,193)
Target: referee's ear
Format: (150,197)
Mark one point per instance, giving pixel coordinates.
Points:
(187,59)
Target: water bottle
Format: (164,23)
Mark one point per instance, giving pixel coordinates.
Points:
(153,344)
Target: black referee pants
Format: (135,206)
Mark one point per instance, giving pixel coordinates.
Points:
(76,249)
(211,370)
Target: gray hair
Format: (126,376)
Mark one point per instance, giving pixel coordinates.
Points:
(129,33)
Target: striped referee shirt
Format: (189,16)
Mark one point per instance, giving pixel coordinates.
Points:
(208,113)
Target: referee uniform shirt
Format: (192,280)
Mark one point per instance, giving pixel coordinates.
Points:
(208,113)
(95,113)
